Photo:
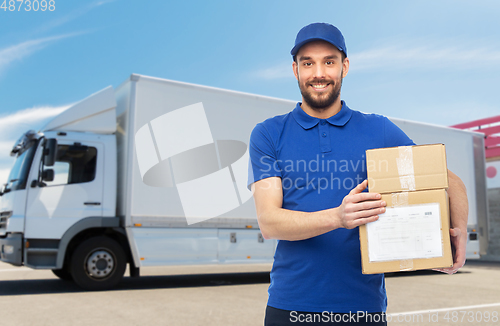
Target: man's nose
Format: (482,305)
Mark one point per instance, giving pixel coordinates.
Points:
(319,71)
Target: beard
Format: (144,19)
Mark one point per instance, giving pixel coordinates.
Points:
(322,101)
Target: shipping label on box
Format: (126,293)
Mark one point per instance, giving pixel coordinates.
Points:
(407,168)
(413,234)
(406,232)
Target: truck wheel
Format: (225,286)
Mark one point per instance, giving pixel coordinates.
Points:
(98,263)
(63,274)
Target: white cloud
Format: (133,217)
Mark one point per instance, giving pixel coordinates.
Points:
(446,113)
(28,118)
(72,15)
(405,55)
(283,70)
(4,175)
(461,112)
(432,56)
(22,50)
(6,147)
(12,126)
(100,3)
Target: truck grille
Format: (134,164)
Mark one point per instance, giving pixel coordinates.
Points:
(4,216)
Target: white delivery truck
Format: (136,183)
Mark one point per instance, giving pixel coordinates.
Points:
(154,173)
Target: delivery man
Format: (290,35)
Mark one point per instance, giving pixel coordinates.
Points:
(308,177)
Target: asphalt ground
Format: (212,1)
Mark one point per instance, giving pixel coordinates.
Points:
(233,295)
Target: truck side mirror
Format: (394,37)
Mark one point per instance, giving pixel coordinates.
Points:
(48,175)
(50,152)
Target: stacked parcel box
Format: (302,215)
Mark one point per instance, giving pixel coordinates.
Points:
(413,233)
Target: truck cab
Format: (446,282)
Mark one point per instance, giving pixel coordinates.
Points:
(62,191)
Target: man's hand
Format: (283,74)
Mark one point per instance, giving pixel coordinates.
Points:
(458,247)
(360,207)
(459,210)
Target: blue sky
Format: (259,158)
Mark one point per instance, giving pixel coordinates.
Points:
(429,61)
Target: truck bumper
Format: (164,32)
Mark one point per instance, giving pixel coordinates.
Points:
(11,249)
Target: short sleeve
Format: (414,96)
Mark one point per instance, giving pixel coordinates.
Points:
(263,159)
(394,136)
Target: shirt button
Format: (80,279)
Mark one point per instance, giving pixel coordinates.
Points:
(323,122)
(323,134)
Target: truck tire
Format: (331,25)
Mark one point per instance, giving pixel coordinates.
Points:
(63,274)
(98,263)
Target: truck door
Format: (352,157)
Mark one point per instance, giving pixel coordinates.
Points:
(75,192)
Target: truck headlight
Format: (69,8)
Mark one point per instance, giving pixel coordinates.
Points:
(8,250)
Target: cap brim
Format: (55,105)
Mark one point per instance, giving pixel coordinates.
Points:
(297,47)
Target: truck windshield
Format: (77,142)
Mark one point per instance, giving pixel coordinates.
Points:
(19,174)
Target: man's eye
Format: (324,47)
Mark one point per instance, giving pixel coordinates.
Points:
(329,63)
(307,64)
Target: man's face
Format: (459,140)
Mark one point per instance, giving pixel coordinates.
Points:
(319,70)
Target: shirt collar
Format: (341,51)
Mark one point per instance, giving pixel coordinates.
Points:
(308,122)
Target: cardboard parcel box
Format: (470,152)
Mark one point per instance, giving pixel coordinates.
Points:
(413,233)
(407,168)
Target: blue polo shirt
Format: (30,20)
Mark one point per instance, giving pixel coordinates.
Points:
(319,162)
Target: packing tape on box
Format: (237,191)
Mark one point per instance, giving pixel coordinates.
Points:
(177,150)
(405,168)
(399,199)
(406,265)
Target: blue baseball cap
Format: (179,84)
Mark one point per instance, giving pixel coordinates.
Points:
(320,32)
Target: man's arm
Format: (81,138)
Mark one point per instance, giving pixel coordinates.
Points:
(357,208)
(459,211)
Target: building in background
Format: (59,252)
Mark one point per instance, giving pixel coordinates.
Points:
(490,127)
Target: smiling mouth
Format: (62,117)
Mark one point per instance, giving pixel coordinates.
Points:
(319,87)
